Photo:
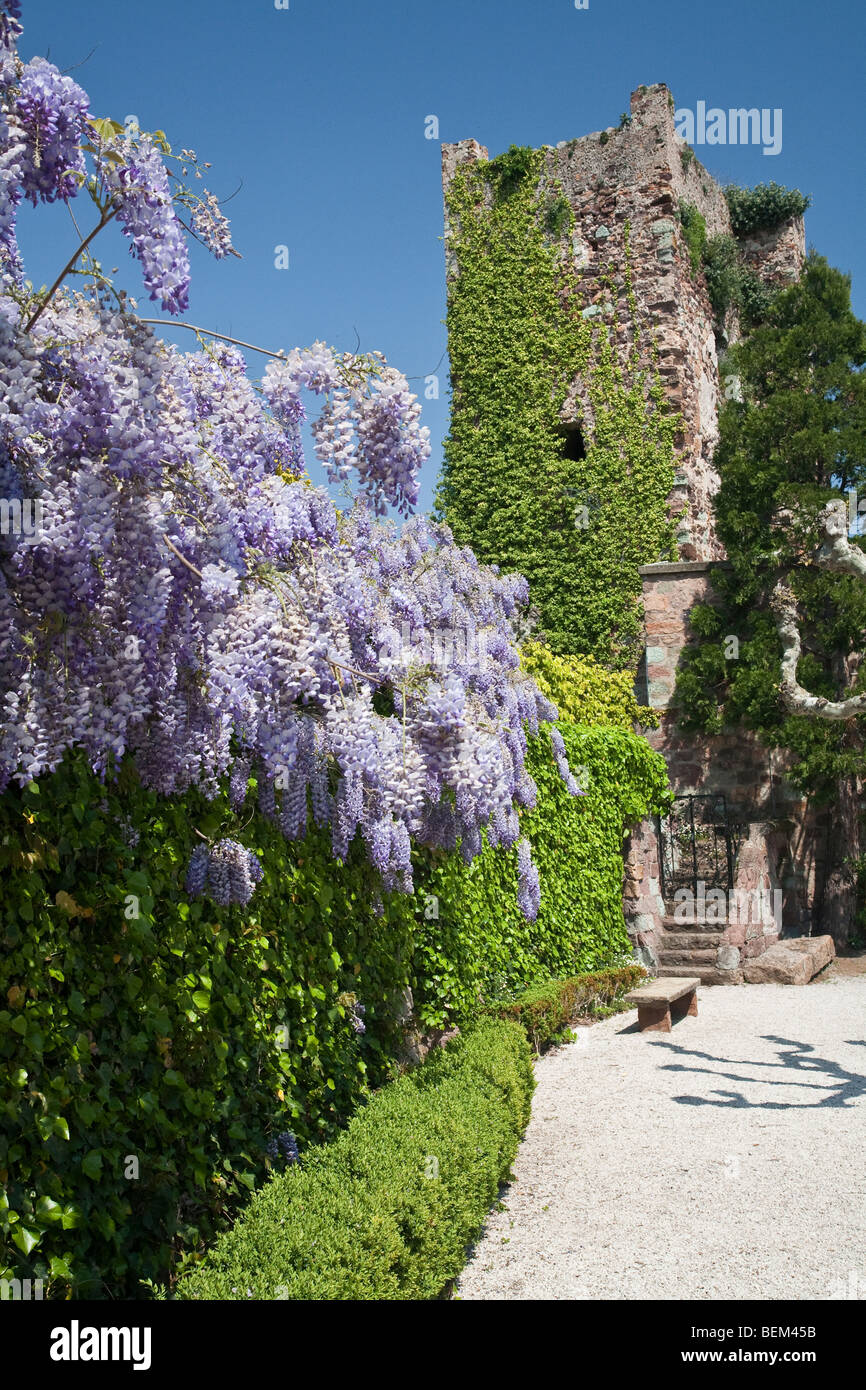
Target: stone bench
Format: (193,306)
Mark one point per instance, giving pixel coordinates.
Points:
(660,998)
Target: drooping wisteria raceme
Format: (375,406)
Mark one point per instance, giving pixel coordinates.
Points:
(188,598)
(561,758)
(284,1146)
(226,871)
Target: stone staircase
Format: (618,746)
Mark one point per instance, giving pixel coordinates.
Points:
(697,949)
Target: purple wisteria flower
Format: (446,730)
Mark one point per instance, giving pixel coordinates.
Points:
(140,188)
(10,22)
(211,225)
(196,874)
(284,1146)
(528,891)
(52,112)
(225,871)
(561,758)
(213,618)
(219,583)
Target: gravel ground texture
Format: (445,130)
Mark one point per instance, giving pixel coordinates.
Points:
(725,1159)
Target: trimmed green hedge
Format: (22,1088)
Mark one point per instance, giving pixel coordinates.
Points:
(547,1009)
(387,1210)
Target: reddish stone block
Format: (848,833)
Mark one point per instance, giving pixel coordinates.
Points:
(735,934)
(654,1019)
(754,946)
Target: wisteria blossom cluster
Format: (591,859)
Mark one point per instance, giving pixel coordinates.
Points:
(51,110)
(529,887)
(355,1011)
(225,871)
(192,602)
(561,758)
(211,225)
(369,424)
(48,135)
(138,186)
(284,1146)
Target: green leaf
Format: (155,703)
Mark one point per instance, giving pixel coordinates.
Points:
(105,128)
(71,1218)
(48,1210)
(91,1164)
(25,1239)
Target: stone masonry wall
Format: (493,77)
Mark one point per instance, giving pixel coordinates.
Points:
(635,173)
(638,173)
(784,838)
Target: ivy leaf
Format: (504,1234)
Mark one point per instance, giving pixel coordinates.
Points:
(25,1239)
(91,1164)
(48,1210)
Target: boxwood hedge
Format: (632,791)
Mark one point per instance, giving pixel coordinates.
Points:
(546,1009)
(388,1209)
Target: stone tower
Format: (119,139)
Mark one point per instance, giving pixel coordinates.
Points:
(641,171)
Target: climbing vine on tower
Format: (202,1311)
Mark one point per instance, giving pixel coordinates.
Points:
(576,510)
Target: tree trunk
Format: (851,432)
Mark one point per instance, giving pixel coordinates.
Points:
(839,902)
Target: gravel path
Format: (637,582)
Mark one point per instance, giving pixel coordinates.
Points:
(726,1159)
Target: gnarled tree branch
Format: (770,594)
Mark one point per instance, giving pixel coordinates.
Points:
(834,553)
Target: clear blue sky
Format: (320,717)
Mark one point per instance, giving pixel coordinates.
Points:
(318,110)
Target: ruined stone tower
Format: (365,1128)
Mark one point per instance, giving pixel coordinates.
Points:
(641,172)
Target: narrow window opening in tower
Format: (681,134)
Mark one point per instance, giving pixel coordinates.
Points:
(573,444)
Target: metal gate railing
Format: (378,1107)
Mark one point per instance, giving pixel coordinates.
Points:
(697,843)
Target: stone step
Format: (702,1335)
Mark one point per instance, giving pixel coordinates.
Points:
(689,957)
(690,940)
(670,923)
(707,974)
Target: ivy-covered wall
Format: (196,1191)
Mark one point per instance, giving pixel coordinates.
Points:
(152,1045)
(514,485)
(479,946)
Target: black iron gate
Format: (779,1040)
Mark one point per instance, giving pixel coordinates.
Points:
(698,843)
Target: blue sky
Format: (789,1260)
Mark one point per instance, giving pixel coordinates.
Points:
(318,112)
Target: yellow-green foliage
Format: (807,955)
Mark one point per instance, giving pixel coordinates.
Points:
(583,691)
(479,948)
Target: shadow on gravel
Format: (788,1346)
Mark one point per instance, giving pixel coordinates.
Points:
(815,1074)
